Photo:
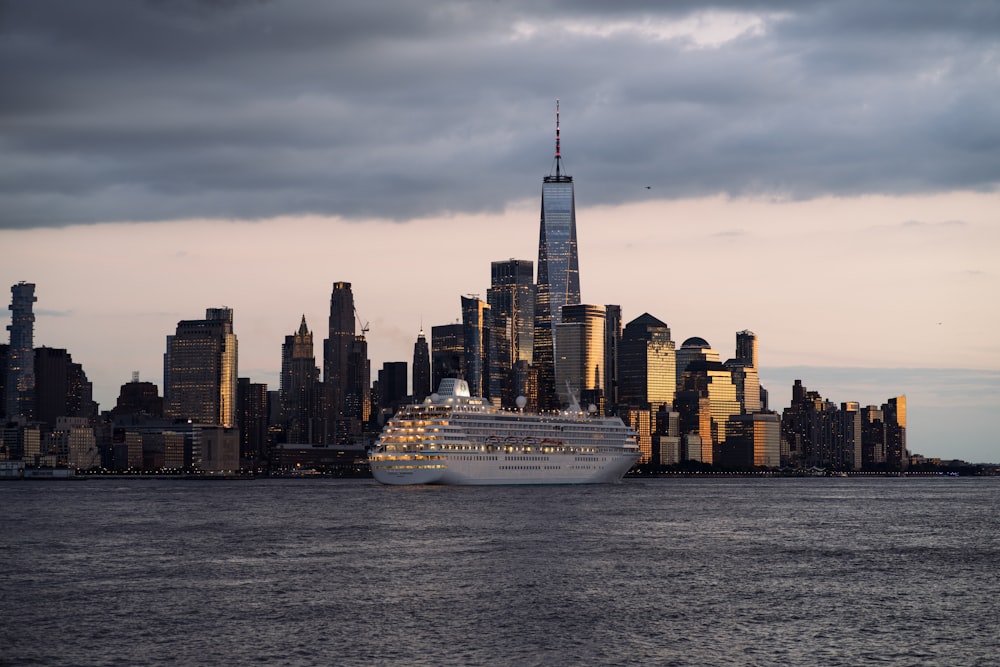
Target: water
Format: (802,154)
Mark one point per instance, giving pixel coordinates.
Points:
(811,571)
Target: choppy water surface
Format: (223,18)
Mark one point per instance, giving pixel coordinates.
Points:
(665,572)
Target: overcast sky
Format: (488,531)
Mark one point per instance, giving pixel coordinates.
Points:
(823,173)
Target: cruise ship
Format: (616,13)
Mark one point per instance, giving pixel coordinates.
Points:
(455,438)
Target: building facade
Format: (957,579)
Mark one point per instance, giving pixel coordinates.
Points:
(346,370)
(612,344)
(20,378)
(300,392)
(477,336)
(200,370)
(648,364)
(447,353)
(251,422)
(421,368)
(61,387)
(511,298)
(580,355)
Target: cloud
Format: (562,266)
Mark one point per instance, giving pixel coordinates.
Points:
(127,111)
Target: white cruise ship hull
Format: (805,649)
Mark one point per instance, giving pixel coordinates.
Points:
(477,468)
(454,438)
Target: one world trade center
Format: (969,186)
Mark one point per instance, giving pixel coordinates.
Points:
(558,271)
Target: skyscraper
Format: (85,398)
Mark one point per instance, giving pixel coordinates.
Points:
(647,361)
(346,370)
(200,370)
(512,303)
(746,347)
(421,368)
(558,269)
(251,419)
(61,387)
(477,336)
(580,355)
(358,401)
(612,344)
(744,370)
(20,384)
(894,412)
(391,387)
(447,353)
(705,399)
(300,390)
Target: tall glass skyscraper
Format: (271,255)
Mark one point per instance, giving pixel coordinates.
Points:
(558,270)
(447,353)
(647,363)
(20,381)
(580,362)
(512,304)
(477,323)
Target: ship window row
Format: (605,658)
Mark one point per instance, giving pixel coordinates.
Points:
(400,466)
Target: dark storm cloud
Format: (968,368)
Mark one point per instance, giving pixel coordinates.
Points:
(245,109)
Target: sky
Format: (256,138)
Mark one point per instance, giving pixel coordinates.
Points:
(822,173)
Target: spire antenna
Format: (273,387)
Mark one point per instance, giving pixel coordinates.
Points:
(558,152)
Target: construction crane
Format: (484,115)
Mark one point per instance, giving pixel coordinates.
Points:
(364,327)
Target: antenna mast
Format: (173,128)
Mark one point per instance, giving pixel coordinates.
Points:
(558,154)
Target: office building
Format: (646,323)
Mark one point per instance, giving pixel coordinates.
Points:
(19,386)
(752,441)
(873,453)
(894,412)
(477,324)
(558,270)
(447,353)
(706,385)
(358,402)
(580,355)
(743,368)
(612,343)
(200,370)
(300,392)
(647,363)
(138,398)
(819,434)
(511,298)
(4,352)
(421,368)
(746,347)
(251,422)
(692,349)
(392,386)
(61,387)
(346,369)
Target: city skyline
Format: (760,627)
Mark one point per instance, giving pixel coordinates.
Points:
(734,170)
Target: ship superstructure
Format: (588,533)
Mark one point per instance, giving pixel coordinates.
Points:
(455,438)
